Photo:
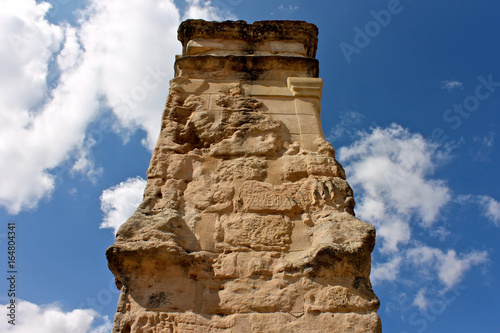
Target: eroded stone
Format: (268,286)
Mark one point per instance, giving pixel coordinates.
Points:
(247,222)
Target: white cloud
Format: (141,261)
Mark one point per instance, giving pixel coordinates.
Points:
(450,85)
(420,300)
(482,149)
(449,266)
(28,42)
(56,79)
(391,171)
(83,161)
(134,60)
(440,232)
(490,208)
(290,8)
(52,319)
(394,232)
(452,268)
(387,271)
(203,9)
(348,120)
(488,140)
(119,202)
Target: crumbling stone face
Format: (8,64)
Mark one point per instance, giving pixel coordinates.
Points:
(247,222)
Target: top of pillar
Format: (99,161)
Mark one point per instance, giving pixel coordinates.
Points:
(287,38)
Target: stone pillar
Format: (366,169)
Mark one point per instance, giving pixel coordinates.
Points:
(247,222)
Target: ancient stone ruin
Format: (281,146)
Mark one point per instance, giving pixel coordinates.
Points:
(247,222)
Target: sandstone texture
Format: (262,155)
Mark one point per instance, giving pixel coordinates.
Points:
(247,222)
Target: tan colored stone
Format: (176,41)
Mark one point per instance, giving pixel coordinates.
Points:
(264,198)
(255,231)
(247,222)
(278,36)
(305,86)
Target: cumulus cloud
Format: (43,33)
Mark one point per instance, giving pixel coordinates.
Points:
(449,266)
(450,85)
(55,80)
(84,163)
(491,209)
(52,319)
(388,271)
(420,300)
(134,60)
(392,169)
(28,42)
(392,172)
(119,202)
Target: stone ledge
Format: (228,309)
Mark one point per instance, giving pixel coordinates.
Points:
(245,67)
(305,87)
(254,34)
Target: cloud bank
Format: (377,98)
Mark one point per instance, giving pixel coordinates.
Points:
(52,319)
(57,79)
(392,169)
(392,173)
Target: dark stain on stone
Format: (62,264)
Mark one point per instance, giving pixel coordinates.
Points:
(157,300)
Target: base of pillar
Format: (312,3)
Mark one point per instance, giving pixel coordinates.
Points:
(164,322)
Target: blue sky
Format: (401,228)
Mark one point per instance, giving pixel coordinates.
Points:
(410,102)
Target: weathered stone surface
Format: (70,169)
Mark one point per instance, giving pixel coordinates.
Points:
(247,222)
(267,37)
